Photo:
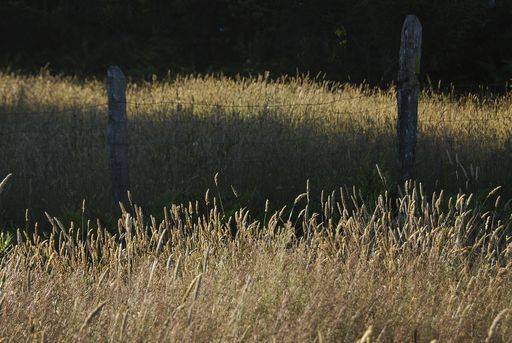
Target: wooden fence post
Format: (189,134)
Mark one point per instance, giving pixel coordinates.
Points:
(117,134)
(408,94)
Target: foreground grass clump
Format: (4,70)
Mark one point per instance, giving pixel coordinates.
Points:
(409,269)
(265,136)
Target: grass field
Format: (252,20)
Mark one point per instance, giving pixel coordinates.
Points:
(418,274)
(264,255)
(266,138)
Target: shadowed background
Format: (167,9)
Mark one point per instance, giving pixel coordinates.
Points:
(358,40)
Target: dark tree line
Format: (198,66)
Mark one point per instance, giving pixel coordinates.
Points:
(464,40)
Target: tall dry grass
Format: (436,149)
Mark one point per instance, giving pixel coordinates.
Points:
(409,265)
(414,269)
(266,138)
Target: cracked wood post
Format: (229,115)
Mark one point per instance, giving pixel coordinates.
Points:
(117,135)
(408,94)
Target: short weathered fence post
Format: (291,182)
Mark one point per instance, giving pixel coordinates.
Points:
(117,134)
(408,94)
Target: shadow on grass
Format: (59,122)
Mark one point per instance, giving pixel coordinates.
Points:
(59,159)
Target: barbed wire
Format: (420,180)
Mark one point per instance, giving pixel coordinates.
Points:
(470,85)
(82,108)
(208,148)
(178,102)
(98,126)
(135,122)
(34,113)
(264,105)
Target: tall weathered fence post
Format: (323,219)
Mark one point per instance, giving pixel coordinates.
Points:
(117,134)
(408,94)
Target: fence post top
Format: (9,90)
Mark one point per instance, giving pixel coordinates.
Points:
(412,33)
(115,71)
(412,21)
(116,83)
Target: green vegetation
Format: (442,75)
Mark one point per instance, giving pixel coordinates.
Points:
(5,242)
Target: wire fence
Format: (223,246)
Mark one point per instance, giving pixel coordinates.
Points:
(66,147)
(87,120)
(171,137)
(137,111)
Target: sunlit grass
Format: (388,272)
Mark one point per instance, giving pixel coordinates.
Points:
(408,270)
(374,261)
(265,137)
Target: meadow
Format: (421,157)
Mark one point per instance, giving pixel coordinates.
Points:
(417,274)
(304,233)
(264,137)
